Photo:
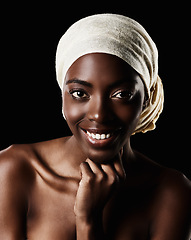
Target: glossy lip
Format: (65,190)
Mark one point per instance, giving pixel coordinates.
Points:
(102,142)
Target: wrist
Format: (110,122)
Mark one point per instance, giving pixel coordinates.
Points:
(89,228)
(89,218)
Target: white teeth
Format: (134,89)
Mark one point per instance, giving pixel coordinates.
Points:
(89,134)
(103,136)
(108,135)
(98,136)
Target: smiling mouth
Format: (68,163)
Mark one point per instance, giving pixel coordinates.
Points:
(100,138)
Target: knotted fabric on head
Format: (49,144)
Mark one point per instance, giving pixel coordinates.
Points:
(125,38)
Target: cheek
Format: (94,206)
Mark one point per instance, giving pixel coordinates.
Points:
(73,112)
(130,114)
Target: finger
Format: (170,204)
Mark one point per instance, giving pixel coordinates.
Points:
(97,170)
(95,167)
(86,171)
(111,173)
(108,169)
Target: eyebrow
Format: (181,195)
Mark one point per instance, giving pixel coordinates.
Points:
(79,81)
(87,84)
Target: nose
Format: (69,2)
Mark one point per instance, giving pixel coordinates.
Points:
(100,110)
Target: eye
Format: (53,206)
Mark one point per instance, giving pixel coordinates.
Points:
(123,95)
(79,94)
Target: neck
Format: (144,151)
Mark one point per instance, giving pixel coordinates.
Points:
(128,157)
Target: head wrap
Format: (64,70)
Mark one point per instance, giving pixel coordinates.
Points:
(125,38)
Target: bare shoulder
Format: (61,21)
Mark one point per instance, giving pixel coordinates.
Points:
(168,179)
(172,206)
(14,167)
(175,186)
(17,160)
(16,177)
(178,177)
(20,163)
(171,201)
(172,185)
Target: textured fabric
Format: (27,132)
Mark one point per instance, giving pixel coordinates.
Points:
(120,36)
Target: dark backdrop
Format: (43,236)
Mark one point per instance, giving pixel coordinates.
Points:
(30,101)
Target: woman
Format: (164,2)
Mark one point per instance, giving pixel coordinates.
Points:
(93,185)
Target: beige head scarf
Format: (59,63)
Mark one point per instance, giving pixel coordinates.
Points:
(120,36)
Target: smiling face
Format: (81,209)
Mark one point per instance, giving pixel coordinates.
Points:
(102,102)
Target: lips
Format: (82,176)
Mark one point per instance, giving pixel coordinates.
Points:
(100,138)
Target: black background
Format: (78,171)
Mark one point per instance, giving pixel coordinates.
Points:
(30,104)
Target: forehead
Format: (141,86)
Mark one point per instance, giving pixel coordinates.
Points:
(101,66)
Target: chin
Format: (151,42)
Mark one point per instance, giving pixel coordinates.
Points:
(102,156)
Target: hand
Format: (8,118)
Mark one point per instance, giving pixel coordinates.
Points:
(97,185)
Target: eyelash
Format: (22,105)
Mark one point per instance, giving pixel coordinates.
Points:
(127,97)
(76,91)
(128,94)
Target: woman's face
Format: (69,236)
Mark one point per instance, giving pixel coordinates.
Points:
(102,102)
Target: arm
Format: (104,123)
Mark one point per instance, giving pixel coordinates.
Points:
(173,211)
(12,200)
(95,189)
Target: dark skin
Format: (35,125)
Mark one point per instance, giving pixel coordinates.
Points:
(93,185)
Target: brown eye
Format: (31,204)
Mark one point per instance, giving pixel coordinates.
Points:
(123,95)
(79,94)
